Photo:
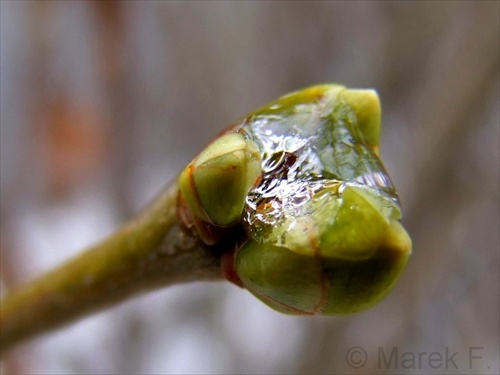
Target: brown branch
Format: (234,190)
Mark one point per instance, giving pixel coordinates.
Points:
(149,252)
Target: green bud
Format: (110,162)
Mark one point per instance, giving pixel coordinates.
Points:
(322,229)
(342,249)
(216,183)
(300,284)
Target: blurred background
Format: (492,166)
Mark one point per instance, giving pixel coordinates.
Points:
(103,103)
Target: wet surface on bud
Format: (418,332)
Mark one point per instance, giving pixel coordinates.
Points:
(320,219)
(318,214)
(310,154)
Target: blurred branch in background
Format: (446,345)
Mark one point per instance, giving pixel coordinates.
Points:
(132,85)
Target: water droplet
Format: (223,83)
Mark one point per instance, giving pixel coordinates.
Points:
(308,158)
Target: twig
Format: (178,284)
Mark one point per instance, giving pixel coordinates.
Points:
(148,252)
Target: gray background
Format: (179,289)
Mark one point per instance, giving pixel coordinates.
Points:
(103,103)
